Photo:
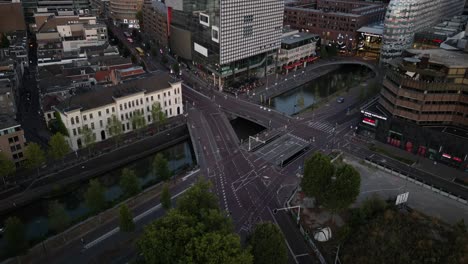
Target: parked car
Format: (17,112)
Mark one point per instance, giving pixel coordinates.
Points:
(340,100)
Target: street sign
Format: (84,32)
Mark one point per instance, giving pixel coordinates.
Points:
(402,198)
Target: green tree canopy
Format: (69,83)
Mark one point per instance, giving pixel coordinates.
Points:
(15,237)
(94,196)
(58,217)
(138,120)
(114,128)
(157,114)
(166,197)
(268,245)
(161,167)
(318,171)
(89,138)
(344,189)
(7,166)
(175,68)
(34,156)
(5,42)
(203,237)
(58,146)
(60,126)
(323,52)
(129,182)
(126,222)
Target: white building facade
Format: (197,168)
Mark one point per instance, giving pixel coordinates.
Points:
(123,103)
(406,17)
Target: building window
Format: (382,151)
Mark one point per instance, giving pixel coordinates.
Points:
(77,120)
(84,117)
(100,123)
(248,31)
(107,111)
(72,121)
(99,113)
(215,34)
(121,108)
(123,127)
(18,147)
(74,132)
(92,125)
(90,116)
(16,138)
(204,19)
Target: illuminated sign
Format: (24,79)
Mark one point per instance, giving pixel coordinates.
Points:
(457,159)
(445,155)
(373,115)
(369,121)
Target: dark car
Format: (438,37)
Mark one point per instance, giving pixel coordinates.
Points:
(340,100)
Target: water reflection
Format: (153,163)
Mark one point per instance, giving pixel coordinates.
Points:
(304,96)
(34,215)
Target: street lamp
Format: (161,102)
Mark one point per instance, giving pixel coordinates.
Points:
(290,207)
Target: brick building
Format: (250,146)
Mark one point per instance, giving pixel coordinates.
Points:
(155,24)
(333,20)
(11,139)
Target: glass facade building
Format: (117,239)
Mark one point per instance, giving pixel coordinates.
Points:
(406,17)
(230,37)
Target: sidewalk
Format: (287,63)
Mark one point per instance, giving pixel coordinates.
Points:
(425,164)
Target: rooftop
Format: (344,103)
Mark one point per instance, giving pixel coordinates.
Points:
(297,37)
(12,17)
(374,29)
(105,95)
(451,59)
(7,121)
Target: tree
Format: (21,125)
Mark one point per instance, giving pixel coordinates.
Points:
(176,68)
(268,245)
(126,52)
(58,146)
(89,138)
(344,189)
(114,128)
(94,196)
(323,52)
(161,167)
(164,59)
(318,171)
(157,115)
(300,101)
(34,156)
(138,120)
(166,198)
(189,235)
(5,42)
(198,199)
(15,236)
(126,222)
(154,51)
(58,217)
(139,17)
(61,128)
(129,183)
(7,166)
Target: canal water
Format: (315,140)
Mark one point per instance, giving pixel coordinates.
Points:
(304,96)
(34,215)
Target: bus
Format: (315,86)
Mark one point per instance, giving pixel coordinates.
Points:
(140,51)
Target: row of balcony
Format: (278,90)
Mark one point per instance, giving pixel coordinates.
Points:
(404,80)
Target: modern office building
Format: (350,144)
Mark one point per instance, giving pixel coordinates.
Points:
(423,105)
(334,21)
(96,108)
(229,39)
(124,12)
(406,17)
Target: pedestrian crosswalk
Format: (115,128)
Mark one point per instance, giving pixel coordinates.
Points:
(322,126)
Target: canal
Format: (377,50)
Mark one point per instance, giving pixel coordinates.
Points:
(34,215)
(305,96)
